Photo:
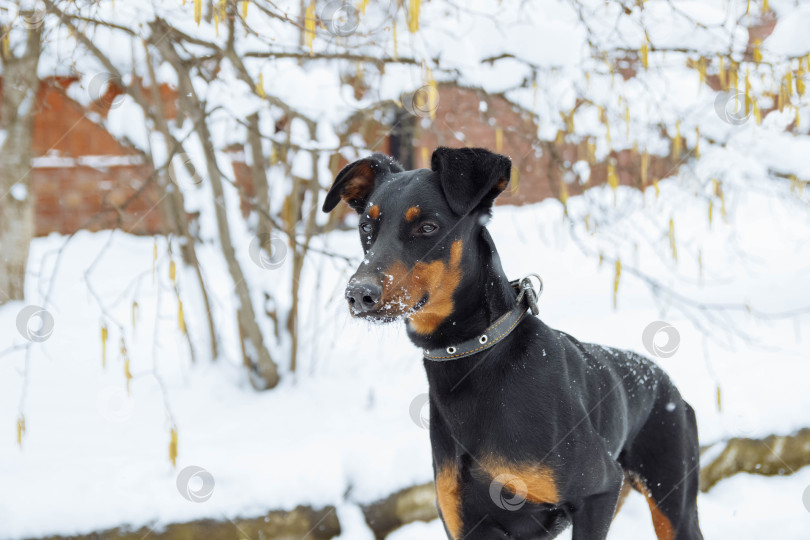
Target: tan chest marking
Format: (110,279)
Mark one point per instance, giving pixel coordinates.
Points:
(448,495)
(531,481)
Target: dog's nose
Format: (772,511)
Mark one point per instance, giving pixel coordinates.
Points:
(363,295)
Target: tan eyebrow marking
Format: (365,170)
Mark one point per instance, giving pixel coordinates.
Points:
(374,212)
(412,213)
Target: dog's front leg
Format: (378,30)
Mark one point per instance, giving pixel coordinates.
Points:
(595,513)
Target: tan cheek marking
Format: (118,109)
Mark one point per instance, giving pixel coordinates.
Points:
(403,288)
(448,495)
(501,185)
(537,481)
(374,212)
(661,523)
(440,281)
(412,213)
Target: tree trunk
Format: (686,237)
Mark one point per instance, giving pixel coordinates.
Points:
(771,456)
(19,101)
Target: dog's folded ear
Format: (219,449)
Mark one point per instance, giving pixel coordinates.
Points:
(470,177)
(357,180)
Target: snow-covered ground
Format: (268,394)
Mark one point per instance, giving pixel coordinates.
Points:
(341,431)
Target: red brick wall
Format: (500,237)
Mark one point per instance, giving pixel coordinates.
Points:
(82,176)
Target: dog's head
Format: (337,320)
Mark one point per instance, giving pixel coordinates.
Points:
(419,230)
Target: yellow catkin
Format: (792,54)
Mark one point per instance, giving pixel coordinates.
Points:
(757,53)
(697,143)
(711,212)
(181,318)
(645,55)
(309,26)
(513,180)
(173,447)
(719,398)
(613,178)
(747,94)
(245,5)
(721,73)
(765,6)
(757,112)
(260,86)
(789,83)
(6,45)
(173,272)
(672,244)
(645,163)
(616,278)
(135,308)
(564,195)
(676,142)
(413,15)
(433,95)
(363,6)
(499,139)
(701,66)
(396,45)
(591,152)
(657,189)
(127,374)
(197,11)
(627,120)
(104,335)
(20,429)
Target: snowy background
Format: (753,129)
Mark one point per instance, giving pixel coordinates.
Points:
(340,431)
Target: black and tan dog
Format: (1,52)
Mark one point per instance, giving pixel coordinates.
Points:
(531,430)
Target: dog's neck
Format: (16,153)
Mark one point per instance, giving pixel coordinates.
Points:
(483,295)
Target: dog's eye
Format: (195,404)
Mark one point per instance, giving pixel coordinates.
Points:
(427,229)
(365,227)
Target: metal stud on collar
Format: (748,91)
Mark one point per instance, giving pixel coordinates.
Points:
(483,339)
(451,350)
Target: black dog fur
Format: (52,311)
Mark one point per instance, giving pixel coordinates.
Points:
(540,431)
